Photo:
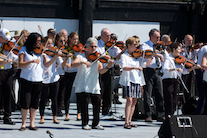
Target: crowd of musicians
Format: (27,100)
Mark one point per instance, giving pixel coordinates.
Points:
(53,74)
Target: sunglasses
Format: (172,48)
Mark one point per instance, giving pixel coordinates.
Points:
(62,41)
(93,46)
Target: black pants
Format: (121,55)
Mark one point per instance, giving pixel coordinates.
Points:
(84,101)
(69,79)
(61,92)
(52,90)
(170,89)
(105,83)
(153,84)
(30,94)
(6,80)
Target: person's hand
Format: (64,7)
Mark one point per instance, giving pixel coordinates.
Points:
(179,70)
(110,63)
(36,61)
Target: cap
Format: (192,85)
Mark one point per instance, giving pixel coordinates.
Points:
(5,33)
(17,33)
(51,31)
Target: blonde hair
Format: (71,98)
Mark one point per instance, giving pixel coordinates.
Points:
(21,42)
(130,41)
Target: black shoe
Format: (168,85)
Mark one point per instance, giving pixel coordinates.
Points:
(161,119)
(9,122)
(117,102)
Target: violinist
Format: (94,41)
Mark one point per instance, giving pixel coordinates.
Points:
(153,78)
(165,40)
(24,38)
(65,33)
(189,53)
(131,80)
(86,83)
(105,79)
(70,73)
(51,34)
(50,81)
(171,70)
(6,73)
(32,76)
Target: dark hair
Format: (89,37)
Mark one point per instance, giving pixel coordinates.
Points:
(174,46)
(31,41)
(151,33)
(57,37)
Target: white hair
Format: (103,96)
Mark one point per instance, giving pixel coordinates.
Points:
(91,40)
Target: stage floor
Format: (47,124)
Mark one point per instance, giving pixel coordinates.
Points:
(72,128)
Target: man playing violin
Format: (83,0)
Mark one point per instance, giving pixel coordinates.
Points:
(105,79)
(6,73)
(153,77)
(86,83)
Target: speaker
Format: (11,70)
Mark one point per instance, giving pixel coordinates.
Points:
(192,126)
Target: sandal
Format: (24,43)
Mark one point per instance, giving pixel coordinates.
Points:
(132,125)
(127,126)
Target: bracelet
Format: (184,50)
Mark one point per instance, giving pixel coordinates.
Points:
(107,68)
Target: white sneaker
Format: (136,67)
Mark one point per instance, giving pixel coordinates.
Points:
(86,127)
(98,127)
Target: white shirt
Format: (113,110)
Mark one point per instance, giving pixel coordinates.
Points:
(52,74)
(149,46)
(134,76)
(69,61)
(190,55)
(32,72)
(11,56)
(113,52)
(86,79)
(168,64)
(202,51)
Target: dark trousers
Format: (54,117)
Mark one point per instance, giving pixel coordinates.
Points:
(30,94)
(84,101)
(170,89)
(188,79)
(69,79)
(61,92)
(52,90)
(6,80)
(105,83)
(153,84)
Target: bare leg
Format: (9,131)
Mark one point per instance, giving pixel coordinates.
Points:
(134,101)
(32,116)
(24,113)
(128,109)
(42,120)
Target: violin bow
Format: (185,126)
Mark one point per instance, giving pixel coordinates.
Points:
(40,30)
(6,59)
(15,44)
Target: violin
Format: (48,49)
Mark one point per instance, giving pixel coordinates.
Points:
(111,42)
(94,56)
(79,48)
(38,50)
(188,63)
(51,51)
(9,45)
(137,53)
(162,45)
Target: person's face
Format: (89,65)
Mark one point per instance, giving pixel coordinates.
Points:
(188,41)
(61,42)
(155,38)
(74,40)
(92,48)
(176,52)
(65,35)
(49,43)
(106,36)
(38,42)
(25,37)
(132,47)
(2,40)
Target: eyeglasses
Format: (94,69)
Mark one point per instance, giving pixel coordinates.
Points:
(39,41)
(62,41)
(135,45)
(93,46)
(157,37)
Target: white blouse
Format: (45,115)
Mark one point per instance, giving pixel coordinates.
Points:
(69,61)
(135,76)
(86,79)
(51,74)
(33,72)
(169,63)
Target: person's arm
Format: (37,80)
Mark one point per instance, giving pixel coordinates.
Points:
(47,63)
(122,52)
(77,63)
(65,61)
(102,70)
(204,61)
(23,64)
(131,68)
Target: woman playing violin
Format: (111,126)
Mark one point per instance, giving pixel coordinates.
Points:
(6,75)
(31,76)
(86,83)
(70,73)
(50,82)
(171,70)
(131,80)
